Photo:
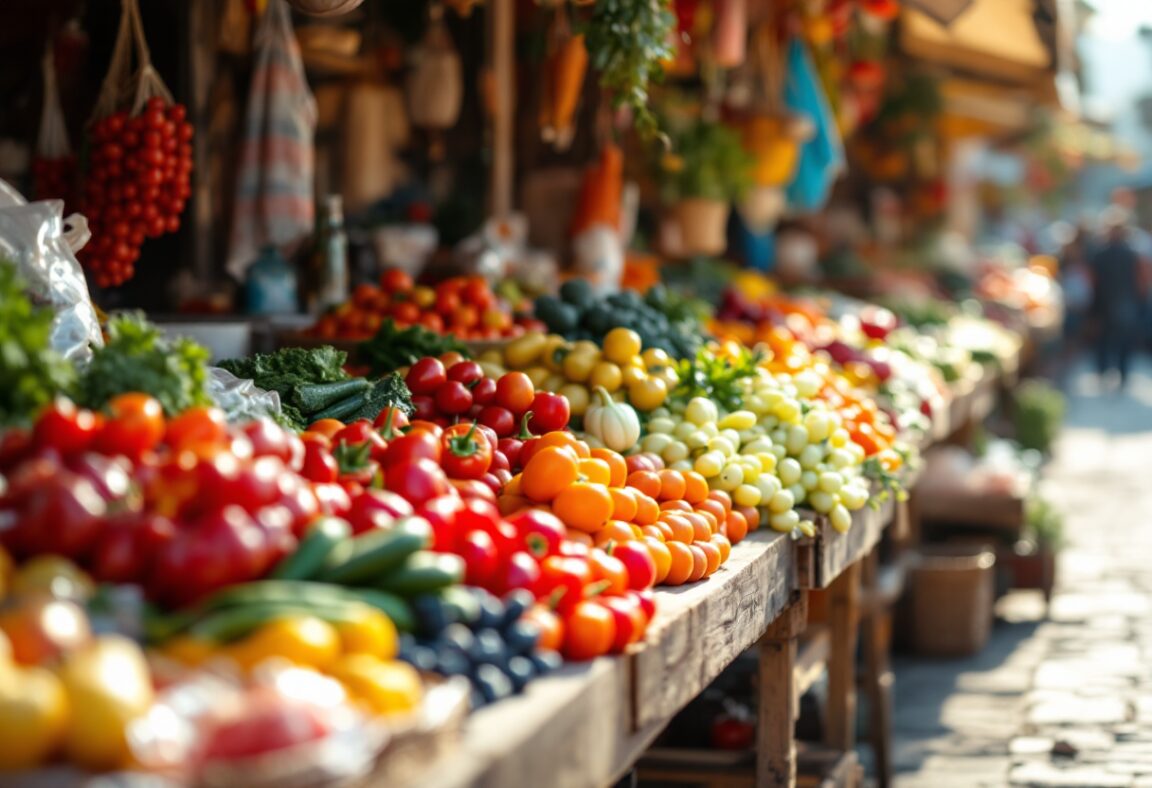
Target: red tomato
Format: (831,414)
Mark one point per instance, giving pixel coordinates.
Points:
(426,375)
(514,391)
(376,509)
(453,398)
(64,427)
(549,412)
(417,444)
(484,392)
(638,561)
(589,631)
(394,280)
(467,372)
(481,559)
(629,619)
(433,322)
(501,420)
(562,581)
(405,312)
(609,572)
(390,422)
(135,425)
(418,480)
(520,570)
(447,302)
(197,427)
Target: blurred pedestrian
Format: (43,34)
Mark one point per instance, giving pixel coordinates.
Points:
(1118,296)
(1076,282)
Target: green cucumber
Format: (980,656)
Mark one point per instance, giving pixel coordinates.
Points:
(377,553)
(234,623)
(326,537)
(388,603)
(423,573)
(315,397)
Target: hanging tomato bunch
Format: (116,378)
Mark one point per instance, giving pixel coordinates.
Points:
(140,159)
(138,180)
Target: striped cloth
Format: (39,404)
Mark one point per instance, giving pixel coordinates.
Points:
(274,185)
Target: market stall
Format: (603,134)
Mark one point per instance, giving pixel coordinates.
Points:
(505,493)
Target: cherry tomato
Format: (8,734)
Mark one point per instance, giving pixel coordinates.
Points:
(269,439)
(135,425)
(549,412)
(638,562)
(376,510)
(425,407)
(453,398)
(319,464)
(390,422)
(426,376)
(362,431)
(514,391)
(589,631)
(421,425)
(467,372)
(520,570)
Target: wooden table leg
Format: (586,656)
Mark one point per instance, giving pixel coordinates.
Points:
(876,630)
(778,703)
(843,617)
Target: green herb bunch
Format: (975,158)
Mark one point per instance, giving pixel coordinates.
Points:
(32,373)
(627,41)
(709,162)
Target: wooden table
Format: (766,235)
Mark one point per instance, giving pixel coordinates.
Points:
(584,726)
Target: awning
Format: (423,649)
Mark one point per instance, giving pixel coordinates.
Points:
(992,39)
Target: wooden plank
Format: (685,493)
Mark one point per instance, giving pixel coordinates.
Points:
(962,507)
(843,616)
(821,559)
(700,628)
(778,702)
(568,730)
(824,768)
(811,657)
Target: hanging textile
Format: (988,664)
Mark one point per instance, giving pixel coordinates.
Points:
(822,156)
(274,185)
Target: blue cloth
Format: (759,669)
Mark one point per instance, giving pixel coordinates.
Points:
(821,157)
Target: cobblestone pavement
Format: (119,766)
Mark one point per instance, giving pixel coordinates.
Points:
(1064,700)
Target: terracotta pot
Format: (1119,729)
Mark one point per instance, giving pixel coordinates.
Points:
(324,7)
(703,225)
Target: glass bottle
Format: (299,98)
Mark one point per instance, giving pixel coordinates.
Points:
(335,282)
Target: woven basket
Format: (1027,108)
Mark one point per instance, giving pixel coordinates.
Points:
(952,591)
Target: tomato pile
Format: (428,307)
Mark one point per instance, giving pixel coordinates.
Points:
(139,178)
(463,306)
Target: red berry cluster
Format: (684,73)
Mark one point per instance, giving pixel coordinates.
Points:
(55,179)
(136,186)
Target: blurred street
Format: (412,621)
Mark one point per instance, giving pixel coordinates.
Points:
(1064,700)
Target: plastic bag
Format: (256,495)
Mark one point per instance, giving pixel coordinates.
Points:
(240,399)
(42,243)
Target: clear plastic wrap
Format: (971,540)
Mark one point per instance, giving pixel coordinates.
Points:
(42,243)
(239,398)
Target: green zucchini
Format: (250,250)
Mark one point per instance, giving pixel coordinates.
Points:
(235,622)
(377,553)
(302,592)
(327,537)
(315,397)
(423,573)
(342,409)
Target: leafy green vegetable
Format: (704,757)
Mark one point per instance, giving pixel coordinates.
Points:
(711,376)
(138,357)
(32,373)
(288,369)
(1038,413)
(392,348)
(627,41)
(709,162)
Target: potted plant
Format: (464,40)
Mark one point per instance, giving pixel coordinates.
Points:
(1033,559)
(706,171)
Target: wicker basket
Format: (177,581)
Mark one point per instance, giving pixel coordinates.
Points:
(952,591)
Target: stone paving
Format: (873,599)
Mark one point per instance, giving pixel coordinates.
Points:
(1062,700)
